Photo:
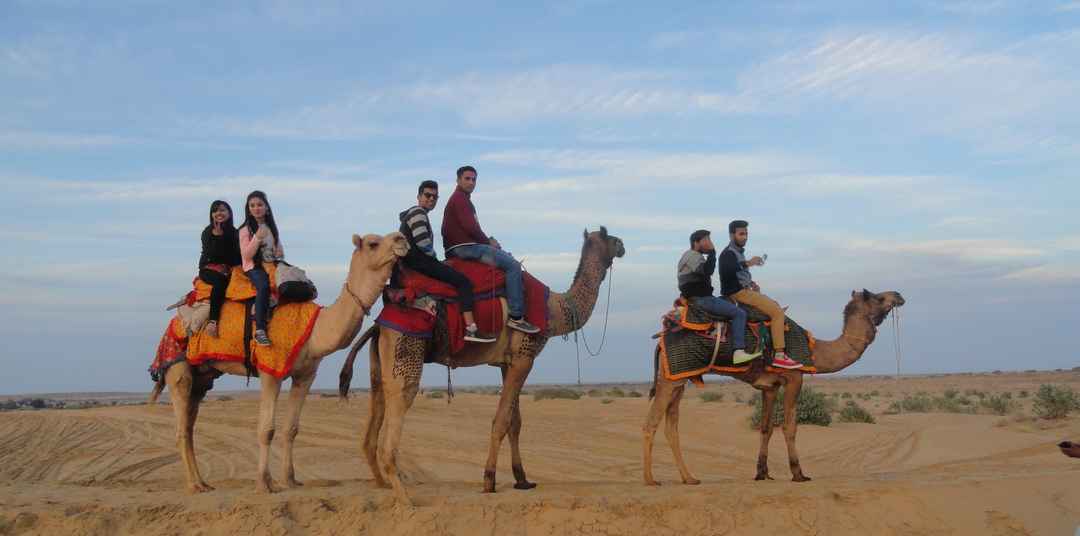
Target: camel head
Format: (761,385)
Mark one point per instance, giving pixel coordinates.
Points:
(376,254)
(612,245)
(874,307)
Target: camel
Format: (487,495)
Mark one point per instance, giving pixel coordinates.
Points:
(513,352)
(336,326)
(862,315)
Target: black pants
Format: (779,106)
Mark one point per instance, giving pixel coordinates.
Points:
(434,269)
(219,283)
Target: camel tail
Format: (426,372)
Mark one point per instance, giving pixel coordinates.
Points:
(655,371)
(345,378)
(159,386)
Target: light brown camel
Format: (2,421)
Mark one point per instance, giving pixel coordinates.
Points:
(336,326)
(397,361)
(862,315)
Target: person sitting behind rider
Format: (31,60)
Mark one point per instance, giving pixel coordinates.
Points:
(737,284)
(695,271)
(463,238)
(416,227)
(220,252)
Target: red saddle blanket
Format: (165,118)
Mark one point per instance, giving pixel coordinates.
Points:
(488,287)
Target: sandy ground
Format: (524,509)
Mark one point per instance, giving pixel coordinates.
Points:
(115,470)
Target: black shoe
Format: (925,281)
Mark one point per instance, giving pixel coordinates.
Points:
(522,325)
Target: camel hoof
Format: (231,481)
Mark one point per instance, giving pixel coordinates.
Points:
(524,485)
(201,487)
(294,483)
(652,483)
(265,486)
(763,477)
(801,478)
(691,481)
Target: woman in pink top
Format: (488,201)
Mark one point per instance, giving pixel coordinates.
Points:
(259,243)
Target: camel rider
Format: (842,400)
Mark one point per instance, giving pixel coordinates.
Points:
(463,238)
(696,268)
(737,284)
(416,227)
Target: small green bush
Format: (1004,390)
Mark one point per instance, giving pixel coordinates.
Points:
(875,392)
(436,394)
(596,393)
(634,394)
(954,405)
(853,412)
(1055,402)
(998,404)
(225,398)
(951,393)
(616,393)
(606,401)
(1024,393)
(711,396)
(556,393)
(919,403)
(812,408)
(845,395)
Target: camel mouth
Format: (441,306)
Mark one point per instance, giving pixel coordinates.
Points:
(1065,444)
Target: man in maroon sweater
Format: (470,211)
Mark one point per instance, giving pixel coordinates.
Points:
(463,238)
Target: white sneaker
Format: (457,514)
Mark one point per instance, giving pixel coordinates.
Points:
(741,356)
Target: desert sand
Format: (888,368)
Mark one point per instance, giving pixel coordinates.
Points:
(115,470)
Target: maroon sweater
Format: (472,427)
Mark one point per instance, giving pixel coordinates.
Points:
(459,225)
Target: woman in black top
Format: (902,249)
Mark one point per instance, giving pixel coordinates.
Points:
(220,252)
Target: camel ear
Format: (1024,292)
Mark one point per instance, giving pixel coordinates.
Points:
(603,232)
(357,241)
(585,234)
(853,293)
(867,295)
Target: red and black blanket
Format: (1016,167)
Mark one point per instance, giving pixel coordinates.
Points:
(488,287)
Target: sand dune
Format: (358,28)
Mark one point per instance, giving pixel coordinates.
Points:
(116,471)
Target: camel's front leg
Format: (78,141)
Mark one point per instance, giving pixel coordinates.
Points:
(791,400)
(406,363)
(665,392)
(520,480)
(376,414)
(672,433)
(270,388)
(193,410)
(180,381)
(297,395)
(514,379)
(768,401)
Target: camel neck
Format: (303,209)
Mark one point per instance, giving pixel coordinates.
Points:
(571,310)
(845,350)
(339,322)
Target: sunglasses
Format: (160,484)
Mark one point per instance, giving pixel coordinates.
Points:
(430,195)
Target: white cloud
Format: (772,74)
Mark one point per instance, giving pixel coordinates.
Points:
(961,249)
(1068,6)
(1045,274)
(15,139)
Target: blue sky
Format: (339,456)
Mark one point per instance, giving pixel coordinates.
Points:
(929,148)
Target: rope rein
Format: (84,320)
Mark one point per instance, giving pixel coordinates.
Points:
(576,326)
(897,348)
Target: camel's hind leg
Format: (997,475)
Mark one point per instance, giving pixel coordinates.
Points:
(180,380)
(768,400)
(297,395)
(516,373)
(520,481)
(791,400)
(376,414)
(672,433)
(270,389)
(399,389)
(664,394)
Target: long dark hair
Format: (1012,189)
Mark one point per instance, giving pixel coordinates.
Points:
(228,227)
(249,220)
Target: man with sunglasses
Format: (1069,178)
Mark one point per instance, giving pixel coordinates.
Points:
(416,227)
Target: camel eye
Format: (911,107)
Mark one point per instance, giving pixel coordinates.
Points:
(372,245)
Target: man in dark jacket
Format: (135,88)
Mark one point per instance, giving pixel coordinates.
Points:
(416,227)
(696,268)
(737,284)
(463,238)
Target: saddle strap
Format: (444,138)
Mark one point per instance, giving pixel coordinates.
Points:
(716,344)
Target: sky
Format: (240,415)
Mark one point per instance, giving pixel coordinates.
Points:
(929,148)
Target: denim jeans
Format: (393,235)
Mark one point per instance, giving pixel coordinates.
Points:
(721,307)
(515,290)
(261,281)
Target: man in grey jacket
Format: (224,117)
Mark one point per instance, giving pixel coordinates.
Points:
(696,268)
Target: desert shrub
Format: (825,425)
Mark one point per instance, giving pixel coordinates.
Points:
(616,393)
(1054,402)
(1024,393)
(738,398)
(9,405)
(556,393)
(595,393)
(853,412)
(606,401)
(812,408)
(1007,395)
(998,404)
(436,394)
(952,393)
(954,405)
(875,392)
(919,403)
(37,403)
(711,396)
(634,394)
(845,395)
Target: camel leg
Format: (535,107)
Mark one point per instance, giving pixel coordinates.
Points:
(376,414)
(665,393)
(768,400)
(297,395)
(194,403)
(270,388)
(791,400)
(179,379)
(515,376)
(672,433)
(520,481)
(399,391)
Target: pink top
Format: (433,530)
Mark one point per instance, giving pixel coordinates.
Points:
(249,247)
